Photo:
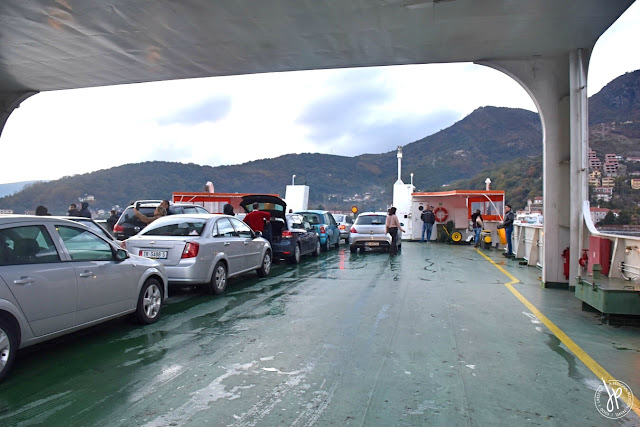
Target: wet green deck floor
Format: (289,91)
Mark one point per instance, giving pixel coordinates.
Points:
(430,337)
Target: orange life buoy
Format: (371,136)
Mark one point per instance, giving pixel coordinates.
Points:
(441,214)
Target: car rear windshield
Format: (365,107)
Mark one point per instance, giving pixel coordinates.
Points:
(182,228)
(371,220)
(295,222)
(313,218)
(128,217)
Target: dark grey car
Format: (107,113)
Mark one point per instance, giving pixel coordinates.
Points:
(129,225)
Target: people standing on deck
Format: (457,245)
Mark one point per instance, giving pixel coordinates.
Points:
(84,211)
(507,224)
(73,210)
(477,222)
(227,209)
(428,219)
(392,225)
(113,219)
(165,204)
(42,211)
(159,212)
(259,221)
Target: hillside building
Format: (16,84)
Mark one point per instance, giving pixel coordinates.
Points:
(594,161)
(598,214)
(608,182)
(603,193)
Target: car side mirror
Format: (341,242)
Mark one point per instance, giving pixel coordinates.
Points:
(257,234)
(121,255)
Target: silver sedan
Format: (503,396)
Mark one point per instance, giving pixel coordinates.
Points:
(57,276)
(203,249)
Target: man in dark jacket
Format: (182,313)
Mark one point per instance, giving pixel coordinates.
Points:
(428,219)
(73,210)
(476,221)
(113,219)
(507,224)
(85,210)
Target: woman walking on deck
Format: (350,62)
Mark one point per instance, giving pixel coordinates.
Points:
(392,225)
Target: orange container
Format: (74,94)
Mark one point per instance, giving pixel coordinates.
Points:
(503,236)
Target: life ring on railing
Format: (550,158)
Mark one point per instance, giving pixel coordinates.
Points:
(441,214)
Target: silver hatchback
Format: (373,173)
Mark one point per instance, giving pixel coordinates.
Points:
(57,276)
(203,249)
(369,231)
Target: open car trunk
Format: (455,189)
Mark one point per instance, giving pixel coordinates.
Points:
(274,205)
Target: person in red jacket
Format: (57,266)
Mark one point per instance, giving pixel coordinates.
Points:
(256,219)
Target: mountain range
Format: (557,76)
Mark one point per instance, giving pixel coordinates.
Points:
(472,149)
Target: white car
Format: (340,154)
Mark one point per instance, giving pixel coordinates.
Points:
(369,232)
(345,222)
(58,276)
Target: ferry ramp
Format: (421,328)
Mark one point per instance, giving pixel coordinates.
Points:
(439,335)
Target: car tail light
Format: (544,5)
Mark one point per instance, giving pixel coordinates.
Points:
(342,227)
(118,228)
(322,229)
(190,250)
(287,233)
(353,230)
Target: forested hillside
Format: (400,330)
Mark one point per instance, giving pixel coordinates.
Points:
(504,144)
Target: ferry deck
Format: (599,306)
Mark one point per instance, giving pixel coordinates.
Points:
(441,334)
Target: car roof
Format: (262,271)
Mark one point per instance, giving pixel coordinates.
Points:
(74,218)
(315,211)
(199,217)
(373,213)
(13,218)
(149,203)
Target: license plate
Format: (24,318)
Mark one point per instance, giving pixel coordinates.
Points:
(372,244)
(154,254)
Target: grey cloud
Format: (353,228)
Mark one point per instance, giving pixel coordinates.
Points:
(209,110)
(349,106)
(386,134)
(350,113)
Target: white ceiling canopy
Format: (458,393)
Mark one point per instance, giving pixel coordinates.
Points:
(63,44)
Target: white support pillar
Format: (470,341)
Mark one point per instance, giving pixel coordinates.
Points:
(548,82)
(578,65)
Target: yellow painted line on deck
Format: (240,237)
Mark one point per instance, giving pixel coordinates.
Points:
(594,366)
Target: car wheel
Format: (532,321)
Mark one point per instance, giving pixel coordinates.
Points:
(218,282)
(346,240)
(316,252)
(337,245)
(8,346)
(353,249)
(265,268)
(149,302)
(295,258)
(325,247)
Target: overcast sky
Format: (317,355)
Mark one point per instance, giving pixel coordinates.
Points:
(232,120)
